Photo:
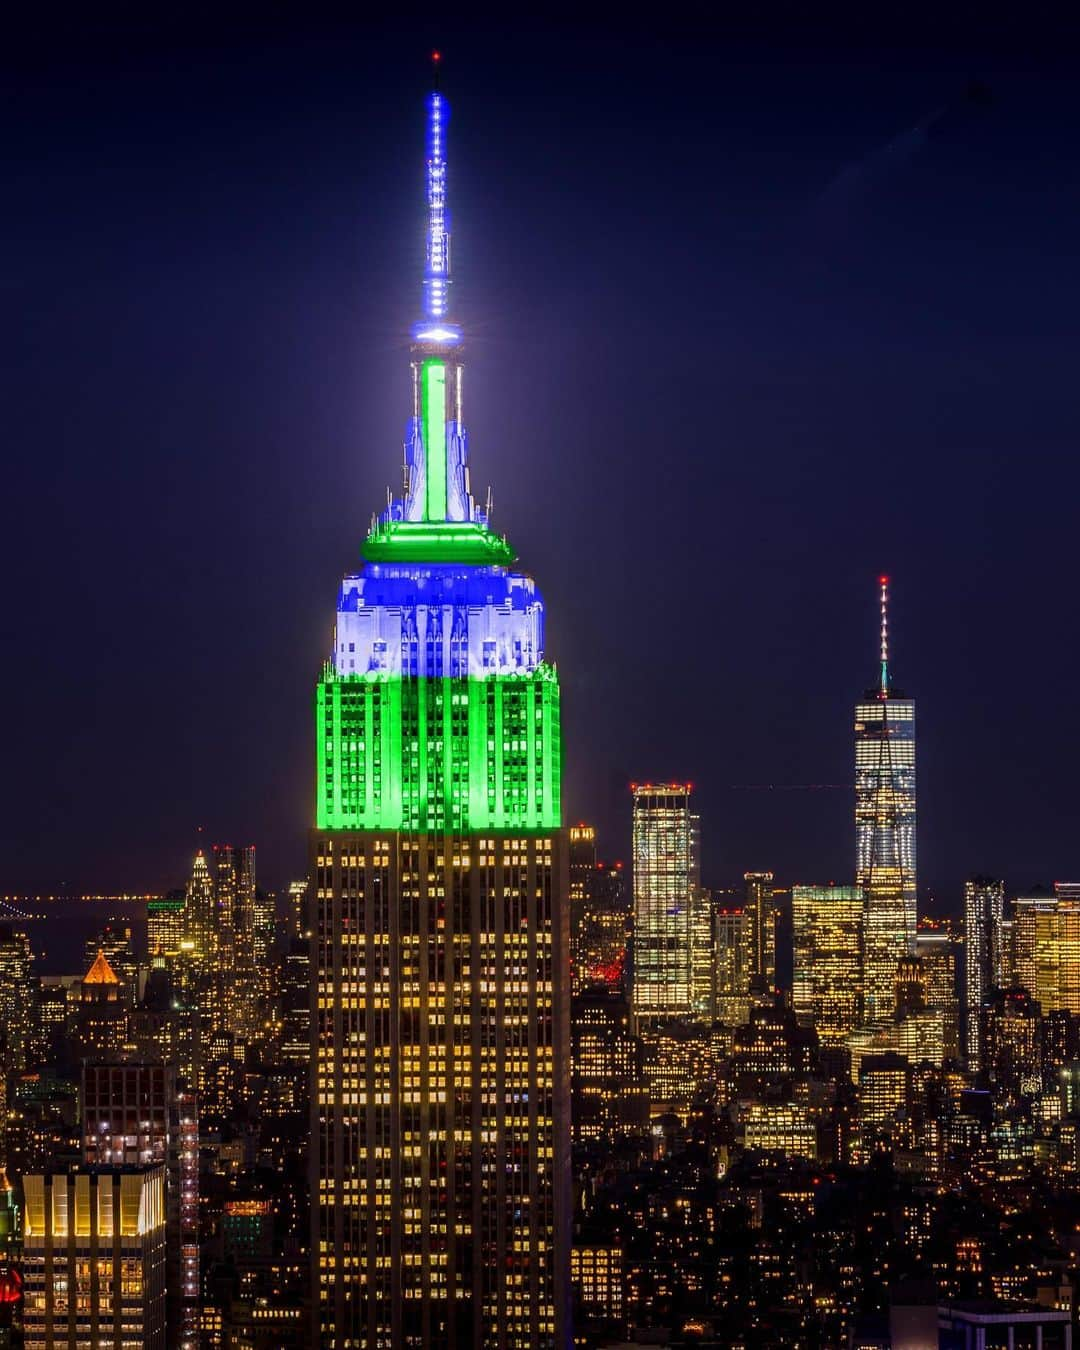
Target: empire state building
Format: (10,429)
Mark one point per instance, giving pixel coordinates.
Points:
(440,1094)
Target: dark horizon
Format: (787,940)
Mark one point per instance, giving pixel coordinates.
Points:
(752,317)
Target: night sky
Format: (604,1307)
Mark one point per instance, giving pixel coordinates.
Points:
(754,313)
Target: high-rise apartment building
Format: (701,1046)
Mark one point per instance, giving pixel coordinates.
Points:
(166,924)
(94,1259)
(440,1077)
(1046,947)
(16,1000)
(936,952)
(731,967)
(136,1114)
(760,913)
(102,1019)
(827,973)
(885,829)
(666,902)
(608,1084)
(582,863)
(984,910)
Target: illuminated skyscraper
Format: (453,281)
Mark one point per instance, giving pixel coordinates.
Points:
(582,854)
(16,1001)
(984,910)
(666,901)
(936,952)
(1046,937)
(885,829)
(731,978)
(827,984)
(202,927)
(134,1114)
(94,1258)
(761,931)
(166,924)
(440,953)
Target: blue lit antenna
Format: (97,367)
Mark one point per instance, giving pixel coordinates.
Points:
(437,274)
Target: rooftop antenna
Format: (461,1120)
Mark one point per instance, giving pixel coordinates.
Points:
(883,582)
(437,276)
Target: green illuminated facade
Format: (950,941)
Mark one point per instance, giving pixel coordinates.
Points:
(439,753)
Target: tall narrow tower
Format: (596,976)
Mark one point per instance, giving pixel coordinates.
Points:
(885,828)
(440,961)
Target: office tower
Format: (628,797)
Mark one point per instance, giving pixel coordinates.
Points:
(200,917)
(608,1084)
(296,1003)
(885,1096)
(984,909)
(936,953)
(1012,1022)
(1046,940)
(702,956)
(885,828)
(299,920)
(114,939)
(598,954)
(770,1053)
(761,931)
(731,975)
(666,885)
(164,1025)
(94,1258)
(166,924)
(827,935)
(581,850)
(102,1018)
(138,1115)
(440,1079)
(17,1001)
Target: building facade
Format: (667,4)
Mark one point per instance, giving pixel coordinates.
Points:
(760,913)
(136,1114)
(885,829)
(94,1259)
(826,990)
(1046,947)
(440,951)
(666,902)
(984,910)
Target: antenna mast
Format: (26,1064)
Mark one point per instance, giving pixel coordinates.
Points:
(883,582)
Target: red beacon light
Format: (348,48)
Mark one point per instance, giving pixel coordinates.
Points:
(11,1287)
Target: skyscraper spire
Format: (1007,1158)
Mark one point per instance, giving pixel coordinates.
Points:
(436,519)
(883,582)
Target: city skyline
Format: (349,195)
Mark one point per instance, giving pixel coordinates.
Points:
(211,496)
(464,1077)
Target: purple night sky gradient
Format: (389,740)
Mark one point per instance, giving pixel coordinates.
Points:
(753,315)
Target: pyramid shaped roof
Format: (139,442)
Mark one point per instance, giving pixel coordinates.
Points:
(100,972)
